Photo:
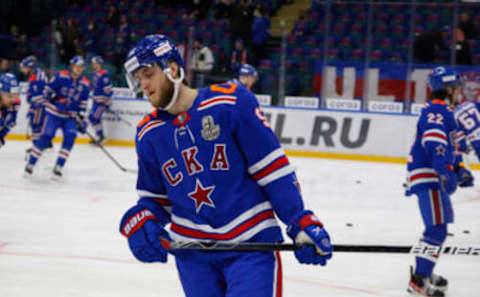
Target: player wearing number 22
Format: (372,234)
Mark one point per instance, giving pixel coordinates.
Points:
(434,169)
(211,167)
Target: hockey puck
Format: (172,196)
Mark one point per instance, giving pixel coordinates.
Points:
(349,224)
(449,234)
(466,231)
(358,181)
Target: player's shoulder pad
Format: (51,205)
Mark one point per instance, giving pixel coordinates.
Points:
(63,74)
(85,81)
(149,122)
(217,95)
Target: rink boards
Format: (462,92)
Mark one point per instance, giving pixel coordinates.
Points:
(353,135)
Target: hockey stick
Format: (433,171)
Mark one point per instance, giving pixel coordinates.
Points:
(121,119)
(255,247)
(108,154)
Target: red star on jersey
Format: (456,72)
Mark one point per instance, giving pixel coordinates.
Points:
(440,150)
(201,195)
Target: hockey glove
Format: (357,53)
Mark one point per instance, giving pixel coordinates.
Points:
(448,180)
(464,176)
(143,230)
(307,229)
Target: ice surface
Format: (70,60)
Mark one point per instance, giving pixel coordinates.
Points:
(61,238)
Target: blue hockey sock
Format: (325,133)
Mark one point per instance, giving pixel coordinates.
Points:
(433,238)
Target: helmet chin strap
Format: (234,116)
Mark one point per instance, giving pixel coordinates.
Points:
(176,86)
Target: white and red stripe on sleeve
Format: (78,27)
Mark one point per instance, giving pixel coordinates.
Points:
(272,167)
(435,135)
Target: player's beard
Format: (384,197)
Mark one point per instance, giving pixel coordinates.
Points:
(166,94)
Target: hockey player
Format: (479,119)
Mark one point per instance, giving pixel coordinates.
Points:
(432,168)
(211,167)
(247,76)
(66,98)
(467,115)
(102,96)
(36,83)
(9,104)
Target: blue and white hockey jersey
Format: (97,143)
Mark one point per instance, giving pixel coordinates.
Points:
(8,118)
(36,84)
(66,95)
(467,116)
(435,138)
(102,87)
(217,169)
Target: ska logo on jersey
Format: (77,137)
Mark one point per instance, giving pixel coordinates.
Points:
(210,131)
(201,195)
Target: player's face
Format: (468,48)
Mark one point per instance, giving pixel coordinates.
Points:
(96,66)
(25,70)
(77,69)
(8,98)
(155,85)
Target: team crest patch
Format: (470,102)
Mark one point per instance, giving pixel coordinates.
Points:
(210,131)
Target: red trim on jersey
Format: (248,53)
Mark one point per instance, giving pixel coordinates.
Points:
(268,214)
(436,205)
(215,100)
(280,162)
(433,134)
(161,201)
(279,274)
(149,125)
(32,77)
(438,101)
(422,175)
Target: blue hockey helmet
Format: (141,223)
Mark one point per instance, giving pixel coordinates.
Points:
(97,59)
(247,69)
(441,77)
(9,83)
(77,60)
(154,49)
(29,61)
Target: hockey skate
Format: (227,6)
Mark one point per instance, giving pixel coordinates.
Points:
(28,171)
(420,286)
(100,140)
(439,282)
(57,173)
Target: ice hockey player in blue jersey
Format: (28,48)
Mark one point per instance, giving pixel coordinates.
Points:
(9,104)
(210,165)
(433,169)
(66,97)
(467,115)
(36,83)
(102,96)
(247,76)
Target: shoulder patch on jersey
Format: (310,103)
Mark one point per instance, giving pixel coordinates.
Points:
(102,72)
(32,77)
(85,81)
(438,101)
(64,73)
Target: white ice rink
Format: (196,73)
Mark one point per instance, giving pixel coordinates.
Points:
(60,239)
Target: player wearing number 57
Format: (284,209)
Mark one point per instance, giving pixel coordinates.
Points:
(210,165)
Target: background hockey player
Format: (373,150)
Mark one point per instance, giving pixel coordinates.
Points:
(66,98)
(432,176)
(9,104)
(467,115)
(36,83)
(210,165)
(247,76)
(102,96)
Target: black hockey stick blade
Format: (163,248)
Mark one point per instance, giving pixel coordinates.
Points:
(256,246)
